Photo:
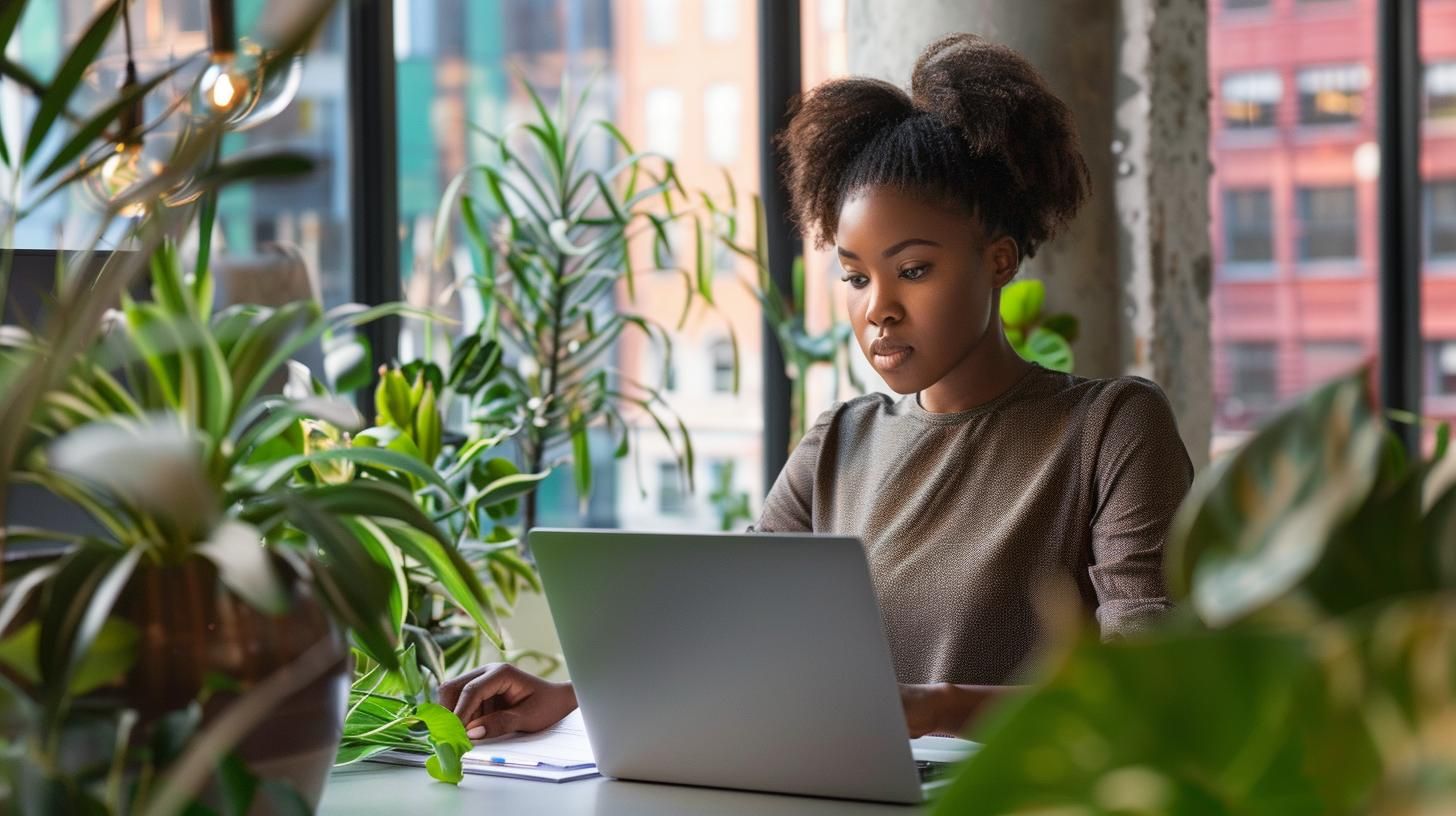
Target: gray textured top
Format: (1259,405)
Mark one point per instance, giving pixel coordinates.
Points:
(964,515)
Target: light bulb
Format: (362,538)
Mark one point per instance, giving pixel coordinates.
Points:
(121,170)
(227,88)
(277,91)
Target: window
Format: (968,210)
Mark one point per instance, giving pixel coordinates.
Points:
(1240,5)
(1326,359)
(1252,382)
(671,499)
(1248,227)
(720,20)
(1332,95)
(1440,219)
(660,19)
(1441,368)
(722,353)
(1251,99)
(1441,91)
(722,114)
(664,121)
(1327,223)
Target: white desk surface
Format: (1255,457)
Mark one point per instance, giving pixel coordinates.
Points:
(369,788)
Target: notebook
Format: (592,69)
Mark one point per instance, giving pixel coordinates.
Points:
(561,753)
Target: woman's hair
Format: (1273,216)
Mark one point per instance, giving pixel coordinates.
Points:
(979,128)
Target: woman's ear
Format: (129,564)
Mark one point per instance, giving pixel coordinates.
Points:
(1003,259)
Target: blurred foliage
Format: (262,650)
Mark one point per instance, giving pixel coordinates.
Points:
(1043,339)
(1310,666)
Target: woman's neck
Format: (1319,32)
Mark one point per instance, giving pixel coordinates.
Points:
(986,372)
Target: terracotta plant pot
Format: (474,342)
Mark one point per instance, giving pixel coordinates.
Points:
(190,627)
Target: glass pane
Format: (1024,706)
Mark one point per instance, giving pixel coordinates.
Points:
(1293,199)
(297,229)
(678,77)
(1438,215)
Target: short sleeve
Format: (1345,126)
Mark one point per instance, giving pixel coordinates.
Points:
(1141,476)
(789,507)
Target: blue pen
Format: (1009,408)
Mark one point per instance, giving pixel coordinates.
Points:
(499,760)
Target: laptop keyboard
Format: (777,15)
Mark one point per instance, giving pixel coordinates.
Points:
(931,771)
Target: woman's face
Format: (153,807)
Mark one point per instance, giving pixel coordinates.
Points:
(923,285)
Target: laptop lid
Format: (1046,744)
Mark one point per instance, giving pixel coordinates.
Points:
(754,661)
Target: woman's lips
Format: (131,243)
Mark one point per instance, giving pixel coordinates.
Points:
(891,359)
(888,355)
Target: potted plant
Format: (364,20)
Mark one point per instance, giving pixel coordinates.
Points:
(1308,668)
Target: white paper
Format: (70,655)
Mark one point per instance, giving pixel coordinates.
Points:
(563,744)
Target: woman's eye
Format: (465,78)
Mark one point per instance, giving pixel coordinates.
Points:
(857,281)
(914,272)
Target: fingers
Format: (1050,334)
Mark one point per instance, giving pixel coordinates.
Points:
(500,679)
(450,689)
(541,710)
(495,724)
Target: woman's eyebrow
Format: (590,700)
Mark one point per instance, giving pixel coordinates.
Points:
(892,251)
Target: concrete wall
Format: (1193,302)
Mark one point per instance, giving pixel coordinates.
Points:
(1135,264)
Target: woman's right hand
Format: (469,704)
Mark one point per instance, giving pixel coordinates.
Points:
(499,699)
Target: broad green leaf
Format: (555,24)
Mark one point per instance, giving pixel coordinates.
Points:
(447,736)
(1231,722)
(1021,303)
(452,571)
(1046,348)
(1256,523)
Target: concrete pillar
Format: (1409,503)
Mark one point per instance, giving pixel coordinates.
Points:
(1134,265)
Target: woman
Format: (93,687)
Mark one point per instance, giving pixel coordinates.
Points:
(992,478)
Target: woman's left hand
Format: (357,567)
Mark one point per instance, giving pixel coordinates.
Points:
(924,707)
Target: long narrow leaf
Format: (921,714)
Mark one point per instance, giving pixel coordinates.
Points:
(68,76)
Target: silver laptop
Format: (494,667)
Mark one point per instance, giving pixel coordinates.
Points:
(751,661)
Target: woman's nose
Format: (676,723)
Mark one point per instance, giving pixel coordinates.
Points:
(881,306)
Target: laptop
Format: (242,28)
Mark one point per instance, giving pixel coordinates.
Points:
(748,661)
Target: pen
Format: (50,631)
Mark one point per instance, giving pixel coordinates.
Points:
(502,761)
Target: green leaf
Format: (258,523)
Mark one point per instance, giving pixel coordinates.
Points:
(1021,303)
(427,426)
(85,136)
(1257,522)
(475,362)
(77,604)
(245,566)
(1046,348)
(581,457)
(1235,722)
(447,736)
(10,15)
(392,400)
(506,488)
(1064,324)
(68,76)
(451,569)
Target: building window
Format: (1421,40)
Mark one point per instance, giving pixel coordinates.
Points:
(1441,91)
(1331,95)
(1327,223)
(664,121)
(722,254)
(722,353)
(1253,381)
(1440,220)
(722,112)
(660,20)
(1248,230)
(720,20)
(1324,360)
(671,500)
(1441,368)
(1251,99)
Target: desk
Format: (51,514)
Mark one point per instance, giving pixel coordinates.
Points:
(369,788)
